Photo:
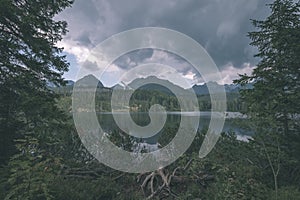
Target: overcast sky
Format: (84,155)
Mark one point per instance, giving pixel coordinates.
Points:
(220,26)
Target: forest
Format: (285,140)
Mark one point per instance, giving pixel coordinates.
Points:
(41,154)
(142,99)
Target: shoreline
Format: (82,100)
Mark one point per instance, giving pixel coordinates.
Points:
(228,115)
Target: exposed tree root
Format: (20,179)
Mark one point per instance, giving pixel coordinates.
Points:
(158,183)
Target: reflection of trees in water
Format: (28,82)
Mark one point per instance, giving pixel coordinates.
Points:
(108,124)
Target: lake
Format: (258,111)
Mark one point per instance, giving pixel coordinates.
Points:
(233,123)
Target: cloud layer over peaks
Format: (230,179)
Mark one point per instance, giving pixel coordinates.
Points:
(220,26)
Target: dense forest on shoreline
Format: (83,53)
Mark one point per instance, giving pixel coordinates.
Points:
(42,157)
(150,94)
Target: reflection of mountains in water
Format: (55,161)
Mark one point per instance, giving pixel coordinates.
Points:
(155,84)
(106,120)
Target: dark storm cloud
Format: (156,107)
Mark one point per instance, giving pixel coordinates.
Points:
(84,39)
(92,66)
(221,26)
(146,56)
(133,58)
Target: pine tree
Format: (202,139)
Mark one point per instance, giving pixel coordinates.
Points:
(276,79)
(273,103)
(29,117)
(29,60)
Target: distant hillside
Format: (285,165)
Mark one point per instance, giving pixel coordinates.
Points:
(150,83)
(229,88)
(70,82)
(67,82)
(156,84)
(152,92)
(88,81)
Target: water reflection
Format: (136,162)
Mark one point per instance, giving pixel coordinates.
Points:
(108,124)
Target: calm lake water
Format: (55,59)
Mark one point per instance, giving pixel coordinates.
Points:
(233,124)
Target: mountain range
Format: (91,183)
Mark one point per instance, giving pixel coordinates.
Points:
(154,83)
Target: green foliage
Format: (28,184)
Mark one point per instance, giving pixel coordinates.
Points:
(291,193)
(142,100)
(29,117)
(28,60)
(277,74)
(273,103)
(81,189)
(31,171)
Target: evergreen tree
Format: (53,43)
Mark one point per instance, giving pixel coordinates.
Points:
(29,118)
(273,104)
(29,60)
(276,79)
